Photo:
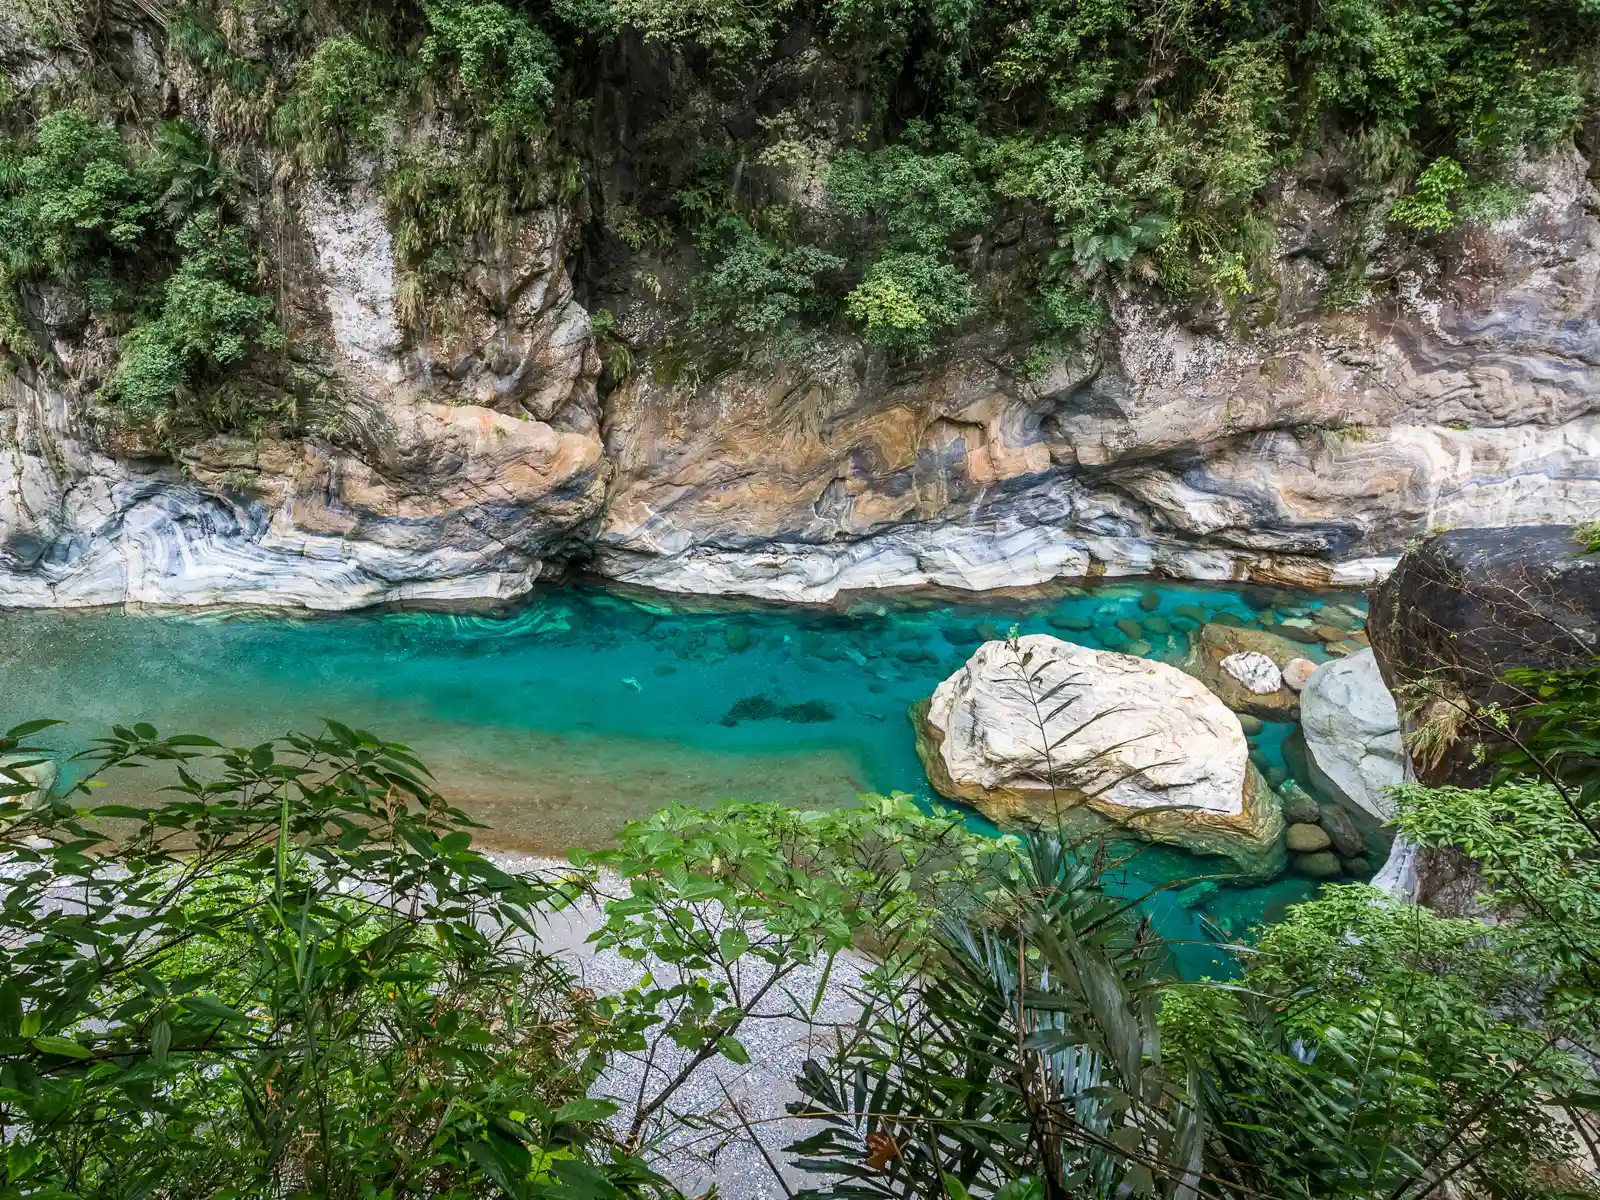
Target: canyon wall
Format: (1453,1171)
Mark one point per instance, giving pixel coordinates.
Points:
(472,462)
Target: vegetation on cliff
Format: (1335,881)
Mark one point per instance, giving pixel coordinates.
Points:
(868,166)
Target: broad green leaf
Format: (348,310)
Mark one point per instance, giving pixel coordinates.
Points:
(65,1047)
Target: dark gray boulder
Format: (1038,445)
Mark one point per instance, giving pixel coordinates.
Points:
(1462,609)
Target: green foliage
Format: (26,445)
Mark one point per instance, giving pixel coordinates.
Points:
(294,973)
(756,285)
(207,320)
(907,298)
(1408,1016)
(1588,536)
(1058,148)
(338,103)
(76,198)
(143,241)
(1429,208)
(1033,1051)
(502,65)
(195,33)
(1066,313)
(909,205)
(918,201)
(722,27)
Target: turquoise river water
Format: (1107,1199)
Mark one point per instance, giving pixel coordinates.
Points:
(583,708)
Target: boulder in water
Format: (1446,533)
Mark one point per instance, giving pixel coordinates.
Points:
(1324,864)
(1256,671)
(1346,836)
(1217,642)
(1299,806)
(1126,741)
(1297,673)
(1352,734)
(1307,839)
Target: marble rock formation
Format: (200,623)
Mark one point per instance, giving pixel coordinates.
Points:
(1259,674)
(470,458)
(1306,452)
(1256,653)
(449,470)
(1133,743)
(1352,733)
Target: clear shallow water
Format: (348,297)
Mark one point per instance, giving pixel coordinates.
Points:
(559,721)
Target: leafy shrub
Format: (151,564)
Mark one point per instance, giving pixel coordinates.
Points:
(295,976)
(919,200)
(77,198)
(724,27)
(145,242)
(338,102)
(504,66)
(1429,207)
(757,286)
(207,319)
(1066,313)
(906,298)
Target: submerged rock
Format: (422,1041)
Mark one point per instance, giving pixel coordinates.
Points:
(751,708)
(1352,734)
(1070,622)
(1197,895)
(764,708)
(809,712)
(1126,741)
(1324,864)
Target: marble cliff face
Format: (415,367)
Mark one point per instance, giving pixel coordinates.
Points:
(473,463)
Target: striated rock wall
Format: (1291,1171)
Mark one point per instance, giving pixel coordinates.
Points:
(456,467)
(1304,453)
(471,461)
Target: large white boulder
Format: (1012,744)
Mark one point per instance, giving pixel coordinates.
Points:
(1045,732)
(1352,733)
